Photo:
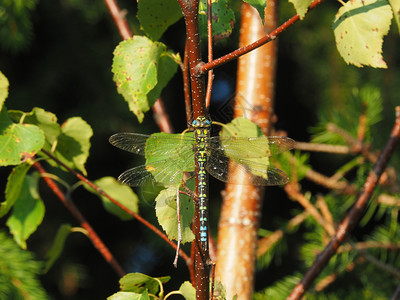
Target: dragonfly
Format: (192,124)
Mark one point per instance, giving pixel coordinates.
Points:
(169,156)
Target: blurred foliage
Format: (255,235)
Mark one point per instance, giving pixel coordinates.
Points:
(16,24)
(18,272)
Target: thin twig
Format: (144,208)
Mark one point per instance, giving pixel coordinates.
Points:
(326,281)
(136,216)
(119,19)
(241,51)
(293,193)
(330,183)
(265,243)
(210,53)
(95,239)
(352,217)
(186,85)
(326,213)
(336,149)
(161,117)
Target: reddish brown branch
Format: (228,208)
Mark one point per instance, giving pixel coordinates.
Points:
(97,242)
(210,53)
(136,216)
(119,19)
(161,117)
(352,217)
(201,256)
(292,190)
(186,85)
(336,149)
(241,51)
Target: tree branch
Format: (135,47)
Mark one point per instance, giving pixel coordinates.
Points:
(352,217)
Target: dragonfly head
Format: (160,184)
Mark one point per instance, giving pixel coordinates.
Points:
(201,122)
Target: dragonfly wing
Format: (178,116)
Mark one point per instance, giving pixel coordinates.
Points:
(219,167)
(141,175)
(137,176)
(136,143)
(253,147)
(131,142)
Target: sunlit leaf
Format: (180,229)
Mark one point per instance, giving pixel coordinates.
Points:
(74,143)
(167,214)
(301,7)
(260,5)
(45,120)
(136,67)
(3,89)
(18,141)
(129,296)
(395,4)
(188,291)
(155,16)
(223,19)
(139,283)
(359,28)
(121,193)
(28,211)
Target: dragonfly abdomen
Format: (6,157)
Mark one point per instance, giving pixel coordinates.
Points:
(201,149)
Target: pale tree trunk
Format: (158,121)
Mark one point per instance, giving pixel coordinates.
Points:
(239,222)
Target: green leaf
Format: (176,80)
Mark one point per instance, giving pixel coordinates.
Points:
(18,141)
(260,5)
(139,283)
(167,214)
(166,166)
(13,189)
(167,67)
(74,143)
(28,211)
(242,127)
(121,193)
(58,246)
(395,4)
(301,7)
(223,19)
(155,16)
(45,120)
(129,296)
(18,272)
(188,291)
(359,28)
(3,89)
(135,67)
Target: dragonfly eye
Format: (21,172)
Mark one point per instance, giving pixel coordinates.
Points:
(195,123)
(207,122)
